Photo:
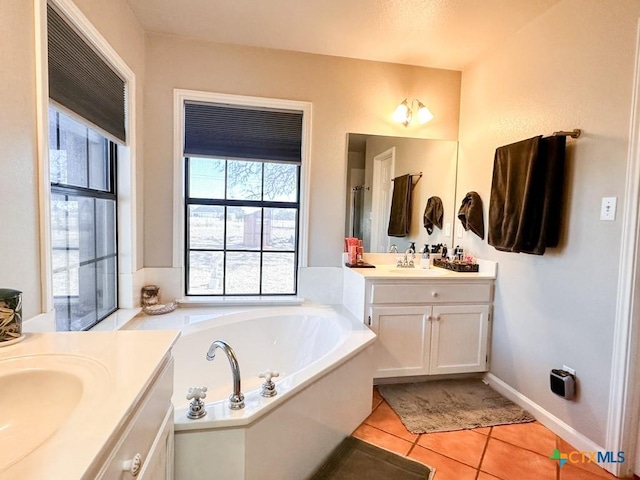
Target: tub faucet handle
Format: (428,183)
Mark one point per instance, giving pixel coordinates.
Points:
(197,393)
(268,387)
(196,407)
(268,375)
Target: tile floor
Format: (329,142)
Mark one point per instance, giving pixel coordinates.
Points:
(507,452)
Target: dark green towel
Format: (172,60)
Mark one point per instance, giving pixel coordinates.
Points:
(400,215)
(526,195)
(470,214)
(433,214)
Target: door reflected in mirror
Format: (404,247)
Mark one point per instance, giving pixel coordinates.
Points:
(372,164)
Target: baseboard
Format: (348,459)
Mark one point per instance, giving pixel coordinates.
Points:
(425,378)
(553,423)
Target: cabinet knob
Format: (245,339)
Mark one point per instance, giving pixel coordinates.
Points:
(134,465)
(430,318)
(437,318)
(434,294)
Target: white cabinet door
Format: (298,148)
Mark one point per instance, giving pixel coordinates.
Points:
(402,347)
(159,462)
(459,339)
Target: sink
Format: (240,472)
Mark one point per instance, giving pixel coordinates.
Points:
(40,395)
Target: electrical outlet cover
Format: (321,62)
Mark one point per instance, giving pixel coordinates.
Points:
(608,208)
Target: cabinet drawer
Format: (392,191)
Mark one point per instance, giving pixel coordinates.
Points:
(139,434)
(432,293)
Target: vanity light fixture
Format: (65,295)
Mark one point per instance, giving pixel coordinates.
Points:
(404,112)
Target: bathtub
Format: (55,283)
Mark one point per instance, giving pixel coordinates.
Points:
(324,392)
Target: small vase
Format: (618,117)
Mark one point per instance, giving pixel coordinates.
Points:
(10,314)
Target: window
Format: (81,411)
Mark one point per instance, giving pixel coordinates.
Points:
(83,223)
(87,114)
(242,201)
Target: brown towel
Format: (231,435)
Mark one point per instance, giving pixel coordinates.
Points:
(470,214)
(433,214)
(526,195)
(400,215)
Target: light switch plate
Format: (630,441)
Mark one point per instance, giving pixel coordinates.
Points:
(608,208)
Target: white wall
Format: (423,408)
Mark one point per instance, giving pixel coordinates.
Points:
(19,243)
(347,95)
(571,67)
(19,232)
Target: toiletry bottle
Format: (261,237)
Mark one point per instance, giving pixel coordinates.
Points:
(424,261)
(359,253)
(413,247)
(353,255)
(444,252)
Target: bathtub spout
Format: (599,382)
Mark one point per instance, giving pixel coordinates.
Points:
(236,399)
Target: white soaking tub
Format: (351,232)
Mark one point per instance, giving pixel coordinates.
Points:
(324,392)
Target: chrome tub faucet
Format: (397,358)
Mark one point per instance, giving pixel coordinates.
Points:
(236,399)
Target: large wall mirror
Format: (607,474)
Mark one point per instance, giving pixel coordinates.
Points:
(372,161)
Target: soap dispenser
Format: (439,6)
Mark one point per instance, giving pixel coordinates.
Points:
(424,261)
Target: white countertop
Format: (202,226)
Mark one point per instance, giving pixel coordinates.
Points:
(126,362)
(487,270)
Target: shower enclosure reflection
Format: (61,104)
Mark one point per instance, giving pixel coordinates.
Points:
(355,210)
(372,162)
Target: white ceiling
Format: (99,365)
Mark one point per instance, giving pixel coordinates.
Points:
(434,33)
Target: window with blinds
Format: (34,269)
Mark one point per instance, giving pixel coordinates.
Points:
(86,119)
(242,172)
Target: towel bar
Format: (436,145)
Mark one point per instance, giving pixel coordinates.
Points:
(419,175)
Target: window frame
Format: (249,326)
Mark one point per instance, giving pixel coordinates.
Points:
(111,193)
(126,160)
(179,216)
(261,204)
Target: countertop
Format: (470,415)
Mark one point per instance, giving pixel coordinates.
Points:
(487,270)
(127,363)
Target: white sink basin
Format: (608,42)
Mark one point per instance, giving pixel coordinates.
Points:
(40,395)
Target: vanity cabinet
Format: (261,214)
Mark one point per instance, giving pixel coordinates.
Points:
(143,448)
(430,340)
(434,324)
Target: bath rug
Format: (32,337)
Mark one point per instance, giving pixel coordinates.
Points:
(445,405)
(354,459)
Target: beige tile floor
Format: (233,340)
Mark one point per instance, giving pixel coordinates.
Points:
(507,452)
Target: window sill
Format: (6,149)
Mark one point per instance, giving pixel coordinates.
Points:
(239,301)
(116,321)
(46,322)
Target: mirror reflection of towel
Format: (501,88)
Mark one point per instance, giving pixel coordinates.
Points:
(433,214)
(400,214)
(470,214)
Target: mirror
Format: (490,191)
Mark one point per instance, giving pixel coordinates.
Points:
(371,161)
